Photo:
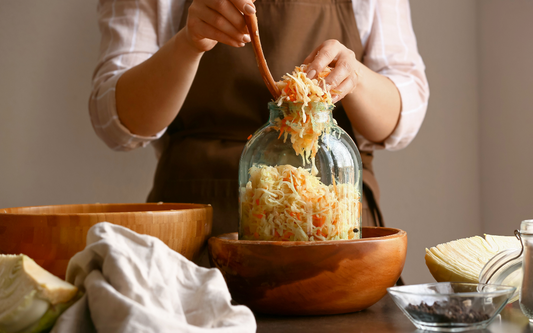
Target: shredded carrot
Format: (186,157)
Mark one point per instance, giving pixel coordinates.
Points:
(287,235)
(318,221)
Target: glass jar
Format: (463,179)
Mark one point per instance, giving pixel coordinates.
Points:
(300,183)
(504,268)
(514,267)
(526,293)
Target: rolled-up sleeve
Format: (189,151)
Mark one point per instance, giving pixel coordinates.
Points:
(391,50)
(128,37)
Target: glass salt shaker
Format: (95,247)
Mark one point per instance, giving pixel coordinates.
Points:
(526,293)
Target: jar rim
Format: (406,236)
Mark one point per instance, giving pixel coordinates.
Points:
(526,227)
(319,111)
(318,106)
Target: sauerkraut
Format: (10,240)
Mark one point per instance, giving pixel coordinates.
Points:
(290,204)
(307,116)
(304,134)
(297,87)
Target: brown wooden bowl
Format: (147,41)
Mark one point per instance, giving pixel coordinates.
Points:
(51,235)
(310,278)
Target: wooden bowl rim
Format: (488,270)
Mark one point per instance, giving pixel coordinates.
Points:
(192,206)
(396,233)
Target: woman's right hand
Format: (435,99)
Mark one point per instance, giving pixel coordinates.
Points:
(212,21)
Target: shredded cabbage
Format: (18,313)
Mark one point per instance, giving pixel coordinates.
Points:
(305,123)
(304,134)
(290,204)
(297,87)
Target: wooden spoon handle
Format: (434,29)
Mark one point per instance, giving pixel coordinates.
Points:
(251,23)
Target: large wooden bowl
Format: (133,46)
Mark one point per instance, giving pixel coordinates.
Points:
(310,278)
(51,235)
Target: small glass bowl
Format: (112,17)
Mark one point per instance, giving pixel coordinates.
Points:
(451,306)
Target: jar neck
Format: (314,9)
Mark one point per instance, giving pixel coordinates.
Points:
(320,112)
(526,227)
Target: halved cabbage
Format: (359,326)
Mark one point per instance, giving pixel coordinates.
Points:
(31,299)
(462,260)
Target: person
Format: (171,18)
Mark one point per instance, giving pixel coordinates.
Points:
(179,74)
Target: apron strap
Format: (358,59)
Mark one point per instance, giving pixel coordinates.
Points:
(371,188)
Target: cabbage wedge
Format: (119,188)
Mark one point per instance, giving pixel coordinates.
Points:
(31,299)
(462,260)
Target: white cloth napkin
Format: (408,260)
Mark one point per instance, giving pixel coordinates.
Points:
(135,283)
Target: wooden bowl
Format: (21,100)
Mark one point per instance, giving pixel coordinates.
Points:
(310,278)
(51,235)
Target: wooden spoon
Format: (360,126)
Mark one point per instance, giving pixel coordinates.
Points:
(251,23)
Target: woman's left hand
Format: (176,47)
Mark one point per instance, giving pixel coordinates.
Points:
(344,77)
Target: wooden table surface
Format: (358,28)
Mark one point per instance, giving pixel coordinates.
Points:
(382,317)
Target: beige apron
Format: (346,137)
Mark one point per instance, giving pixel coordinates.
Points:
(228,101)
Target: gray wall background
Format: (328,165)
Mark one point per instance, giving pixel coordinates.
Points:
(466,173)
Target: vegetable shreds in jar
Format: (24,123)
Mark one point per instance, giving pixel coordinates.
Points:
(304,135)
(301,123)
(290,204)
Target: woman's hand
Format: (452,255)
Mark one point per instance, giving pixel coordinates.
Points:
(372,102)
(346,68)
(212,21)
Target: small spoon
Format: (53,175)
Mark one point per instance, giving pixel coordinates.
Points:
(251,23)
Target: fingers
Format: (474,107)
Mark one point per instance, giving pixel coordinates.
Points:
(201,30)
(344,76)
(344,88)
(344,66)
(326,54)
(312,55)
(244,6)
(219,21)
(230,11)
